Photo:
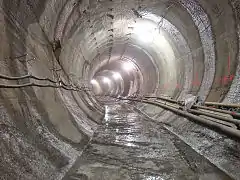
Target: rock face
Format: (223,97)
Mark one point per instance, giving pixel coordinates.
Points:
(24,157)
(40,137)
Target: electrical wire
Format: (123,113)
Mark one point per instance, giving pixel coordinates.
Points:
(25,77)
(59,84)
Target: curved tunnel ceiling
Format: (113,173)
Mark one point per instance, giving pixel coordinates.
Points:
(176,35)
(116,47)
(177,45)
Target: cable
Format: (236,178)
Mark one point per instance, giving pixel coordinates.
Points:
(24,77)
(60,84)
(38,85)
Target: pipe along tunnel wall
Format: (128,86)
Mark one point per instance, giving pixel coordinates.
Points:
(195,49)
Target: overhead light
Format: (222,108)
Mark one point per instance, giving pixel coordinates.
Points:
(117,75)
(106,80)
(145,31)
(128,66)
(93,81)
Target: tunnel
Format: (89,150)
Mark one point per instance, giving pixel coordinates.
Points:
(75,75)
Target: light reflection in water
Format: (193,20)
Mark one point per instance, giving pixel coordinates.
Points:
(106,116)
(126,140)
(153,178)
(130,145)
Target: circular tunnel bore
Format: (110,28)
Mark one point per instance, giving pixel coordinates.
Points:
(74,51)
(133,72)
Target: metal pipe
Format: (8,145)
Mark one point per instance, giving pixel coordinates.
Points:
(213,125)
(234,121)
(233,114)
(222,104)
(220,122)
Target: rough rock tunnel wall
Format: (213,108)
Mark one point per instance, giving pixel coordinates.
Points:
(42,130)
(218,148)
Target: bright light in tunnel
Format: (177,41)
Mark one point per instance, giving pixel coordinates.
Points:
(106,80)
(128,66)
(145,31)
(93,81)
(117,75)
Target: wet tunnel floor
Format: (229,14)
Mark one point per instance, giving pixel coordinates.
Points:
(130,146)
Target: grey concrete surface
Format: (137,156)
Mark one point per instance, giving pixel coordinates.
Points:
(130,146)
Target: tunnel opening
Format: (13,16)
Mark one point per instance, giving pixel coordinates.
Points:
(126,73)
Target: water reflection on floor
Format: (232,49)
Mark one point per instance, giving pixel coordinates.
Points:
(130,146)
